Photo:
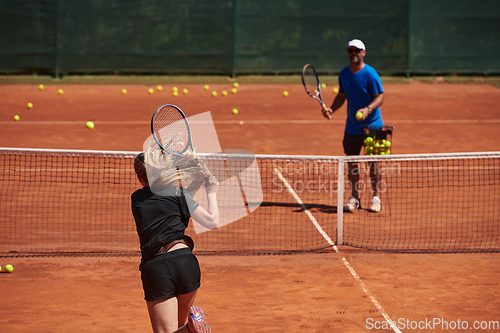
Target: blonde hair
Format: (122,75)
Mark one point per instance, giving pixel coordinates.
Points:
(162,169)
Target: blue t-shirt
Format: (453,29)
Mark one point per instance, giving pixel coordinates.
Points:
(359,89)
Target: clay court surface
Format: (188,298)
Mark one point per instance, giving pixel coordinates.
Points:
(293,293)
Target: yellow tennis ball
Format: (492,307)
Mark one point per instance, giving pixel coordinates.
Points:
(224,93)
(206,87)
(359,115)
(150,90)
(124,91)
(159,88)
(335,90)
(89,125)
(16,117)
(236,85)
(388,143)
(60,91)
(9,268)
(235,111)
(41,87)
(323,86)
(29,105)
(285,93)
(214,93)
(185,91)
(234,90)
(175,89)
(175,93)
(0,268)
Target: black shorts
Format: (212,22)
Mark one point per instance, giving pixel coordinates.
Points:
(353,143)
(170,274)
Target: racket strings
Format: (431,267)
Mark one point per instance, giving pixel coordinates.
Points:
(311,81)
(168,120)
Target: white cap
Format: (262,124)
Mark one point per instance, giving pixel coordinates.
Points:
(356,43)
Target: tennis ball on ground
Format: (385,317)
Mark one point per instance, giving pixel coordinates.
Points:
(124,91)
(175,93)
(236,85)
(235,111)
(206,87)
(175,89)
(335,90)
(29,105)
(9,268)
(214,93)
(159,88)
(60,91)
(0,268)
(16,117)
(359,115)
(323,86)
(41,87)
(185,91)
(224,93)
(150,90)
(285,93)
(89,125)
(234,90)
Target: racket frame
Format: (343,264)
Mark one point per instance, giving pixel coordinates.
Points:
(189,144)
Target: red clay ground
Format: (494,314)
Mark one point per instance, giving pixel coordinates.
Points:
(297,293)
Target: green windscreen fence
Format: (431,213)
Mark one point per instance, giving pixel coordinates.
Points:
(246,37)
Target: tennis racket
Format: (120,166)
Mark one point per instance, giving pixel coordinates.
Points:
(311,83)
(171,131)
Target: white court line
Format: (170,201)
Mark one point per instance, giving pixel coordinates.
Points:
(308,213)
(251,122)
(370,296)
(344,260)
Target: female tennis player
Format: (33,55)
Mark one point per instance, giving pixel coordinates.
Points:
(170,272)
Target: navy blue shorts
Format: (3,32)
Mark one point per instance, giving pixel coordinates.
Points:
(170,274)
(353,143)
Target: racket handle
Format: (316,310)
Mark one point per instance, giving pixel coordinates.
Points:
(203,178)
(329,116)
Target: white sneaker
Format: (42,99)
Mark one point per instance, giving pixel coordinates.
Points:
(352,204)
(376,205)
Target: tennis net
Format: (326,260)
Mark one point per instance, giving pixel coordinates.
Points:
(73,202)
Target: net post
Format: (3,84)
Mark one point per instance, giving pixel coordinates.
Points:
(340,201)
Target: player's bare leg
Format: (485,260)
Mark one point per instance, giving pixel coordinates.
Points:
(353,175)
(171,315)
(375,177)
